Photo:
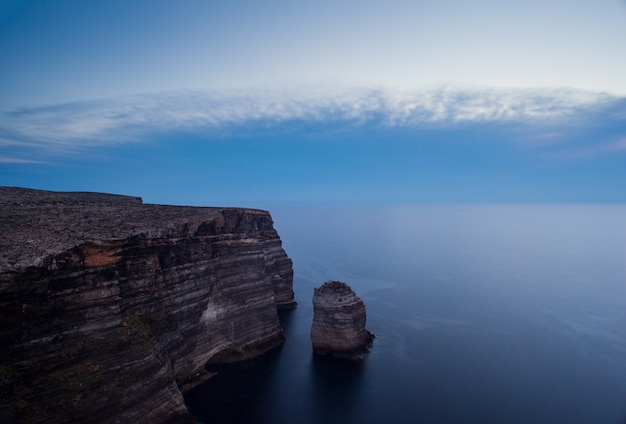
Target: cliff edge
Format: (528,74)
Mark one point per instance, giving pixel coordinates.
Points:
(110,306)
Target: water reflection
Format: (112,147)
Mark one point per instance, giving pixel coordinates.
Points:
(238,393)
(336,389)
(286,318)
(483,314)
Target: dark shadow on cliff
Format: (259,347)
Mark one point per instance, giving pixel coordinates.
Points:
(337,387)
(241,392)
(286,317)
(237,394)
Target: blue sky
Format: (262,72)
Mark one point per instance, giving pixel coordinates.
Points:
(243,103)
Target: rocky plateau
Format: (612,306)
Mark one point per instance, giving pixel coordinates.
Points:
(109,306)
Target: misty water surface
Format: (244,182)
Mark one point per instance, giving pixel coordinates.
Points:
(483,314)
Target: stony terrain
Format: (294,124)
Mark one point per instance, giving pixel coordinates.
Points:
(339,317)
(111,306)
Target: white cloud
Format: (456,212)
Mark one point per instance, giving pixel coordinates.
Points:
(75,126)
(5,159)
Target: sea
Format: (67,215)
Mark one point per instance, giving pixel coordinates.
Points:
(511,313)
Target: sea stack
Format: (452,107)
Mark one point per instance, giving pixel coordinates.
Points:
(339,322)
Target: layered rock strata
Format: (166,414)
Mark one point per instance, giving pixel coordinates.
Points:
(339,317)
(110,306)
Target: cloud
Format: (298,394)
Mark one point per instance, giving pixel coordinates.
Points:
(79,125)
(5,159)
(617,145)
(576,151)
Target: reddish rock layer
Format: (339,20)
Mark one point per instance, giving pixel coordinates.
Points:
(109,305)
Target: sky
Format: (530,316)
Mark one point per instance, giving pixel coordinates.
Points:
(243,103)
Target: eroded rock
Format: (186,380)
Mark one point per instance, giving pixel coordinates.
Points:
(111,306)
(339,317)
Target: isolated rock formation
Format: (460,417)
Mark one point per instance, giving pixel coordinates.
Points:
(110,306)
(339,321)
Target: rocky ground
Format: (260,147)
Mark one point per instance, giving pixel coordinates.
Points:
(36,223)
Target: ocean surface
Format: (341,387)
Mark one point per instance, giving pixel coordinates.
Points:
(482,314)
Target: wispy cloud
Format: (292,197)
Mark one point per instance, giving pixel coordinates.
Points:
(617,145)
(79,125)
(5,159)
(601,148)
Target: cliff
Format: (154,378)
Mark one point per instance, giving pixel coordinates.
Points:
(339,318)
(109,306)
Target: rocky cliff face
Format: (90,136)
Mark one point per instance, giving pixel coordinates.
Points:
(339,317)
(109,306)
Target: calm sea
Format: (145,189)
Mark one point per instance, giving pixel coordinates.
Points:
(482,314)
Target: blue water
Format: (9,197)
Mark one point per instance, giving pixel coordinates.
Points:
(482,314)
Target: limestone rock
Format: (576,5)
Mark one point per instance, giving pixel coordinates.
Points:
(339,317)
(111,306)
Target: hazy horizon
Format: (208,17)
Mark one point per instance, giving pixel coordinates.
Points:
(237,103)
